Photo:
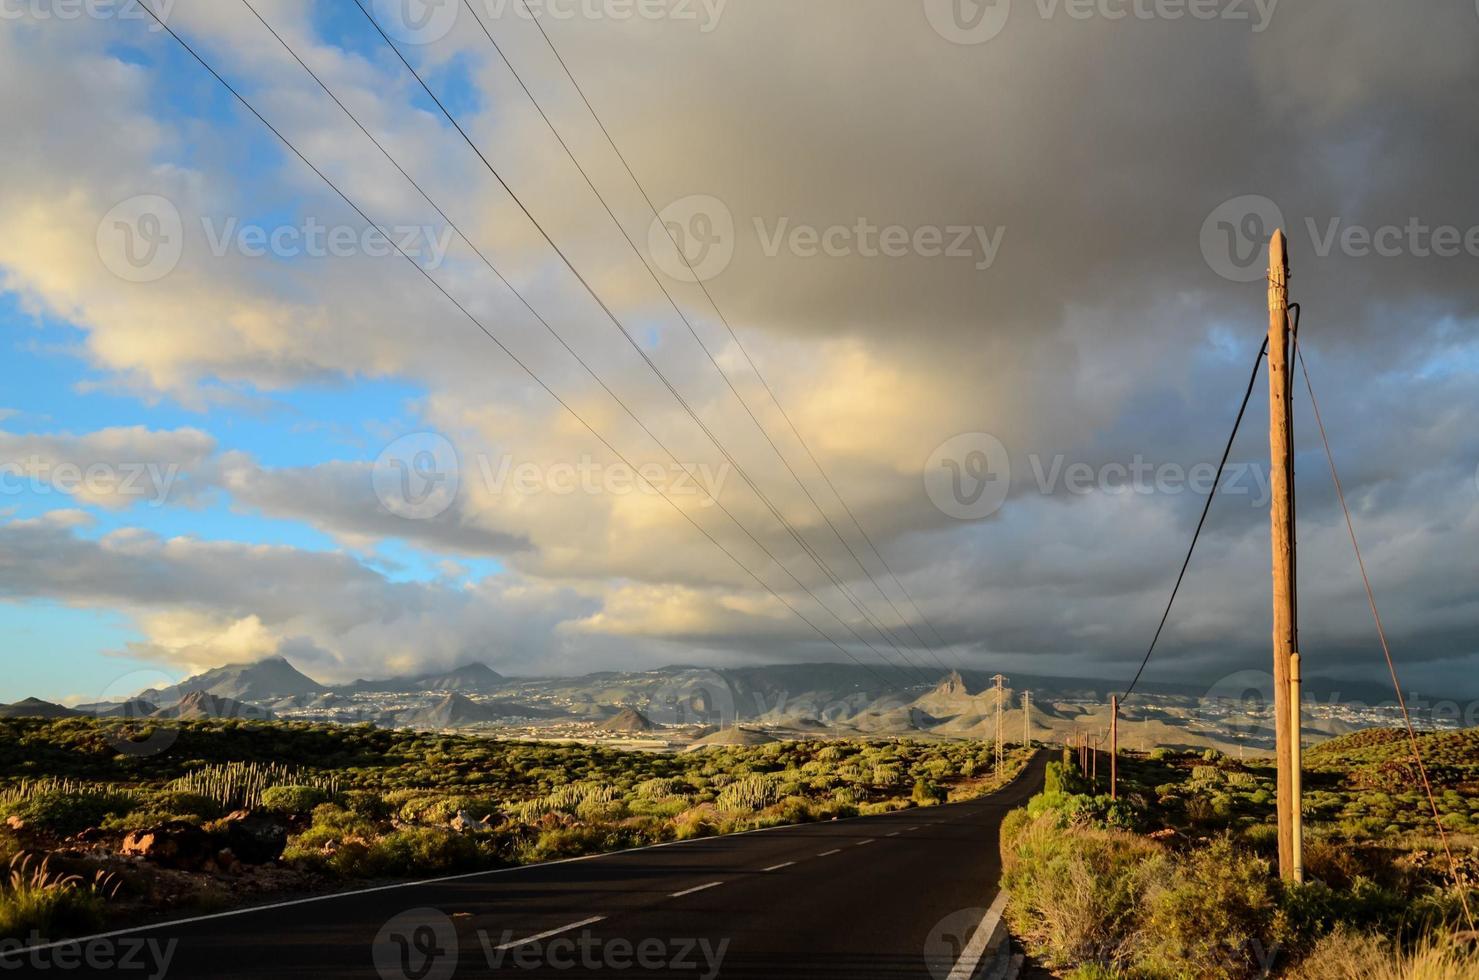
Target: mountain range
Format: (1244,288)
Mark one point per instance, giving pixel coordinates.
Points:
(800,700)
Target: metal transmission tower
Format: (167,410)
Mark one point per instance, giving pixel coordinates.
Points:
(1001,698)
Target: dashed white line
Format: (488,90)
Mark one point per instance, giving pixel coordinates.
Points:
(699,888)
(894,834)
(830,853)
(553,932)
(777,867)
(862,842)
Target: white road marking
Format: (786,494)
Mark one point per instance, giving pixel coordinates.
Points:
(862,842)
(975,950)
(894,834)
(830,853)
(690,891)
(777,867)
(545,935)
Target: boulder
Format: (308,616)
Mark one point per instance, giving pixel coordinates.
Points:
(253,839)
(174,844)
(465,823)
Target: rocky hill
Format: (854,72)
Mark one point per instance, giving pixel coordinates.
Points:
(628,720)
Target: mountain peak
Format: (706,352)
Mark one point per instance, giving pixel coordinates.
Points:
(953,683)
(259,680)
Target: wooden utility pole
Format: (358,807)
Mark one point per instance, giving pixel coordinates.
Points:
(1281,525)
(1114,746)
(1296,767)
(1094,761)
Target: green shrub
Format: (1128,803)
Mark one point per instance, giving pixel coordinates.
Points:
(927,793)
(292,800)
(67,812)
(1213,917)
(1076,891)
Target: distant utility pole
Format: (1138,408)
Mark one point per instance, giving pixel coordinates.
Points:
(1114,746)
(1027,719)
(1281,535)
(1001,697)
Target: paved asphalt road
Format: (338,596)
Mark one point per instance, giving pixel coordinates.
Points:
(893,896)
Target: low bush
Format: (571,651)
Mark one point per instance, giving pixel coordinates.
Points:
(66,812)
(1077,891)
(1347,954)
(292,800)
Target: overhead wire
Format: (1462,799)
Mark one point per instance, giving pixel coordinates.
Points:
(544,322)
(1386,648)
(682,401)
(688,323)
(1201,522)
(491,336)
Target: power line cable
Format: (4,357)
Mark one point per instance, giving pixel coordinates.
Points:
(1206,508)
(479,324)
(1385,646)
(547,326)
(687,322)
(805,546)
(734,336)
